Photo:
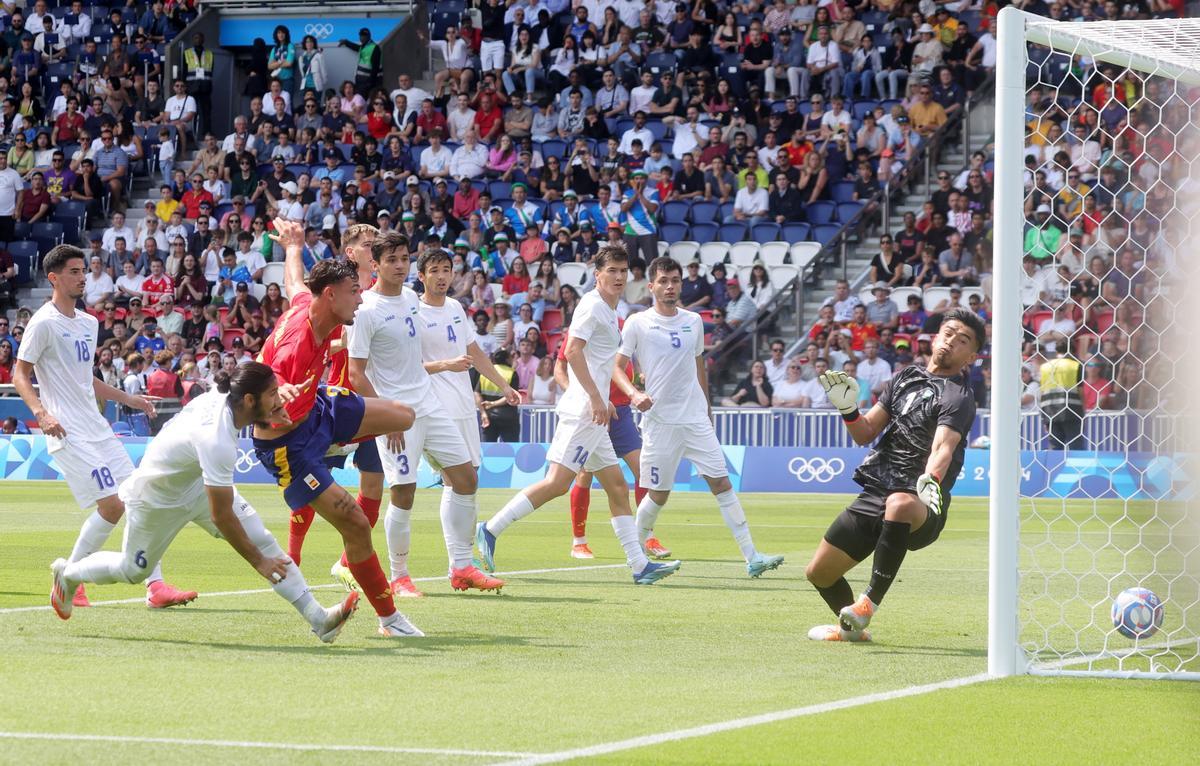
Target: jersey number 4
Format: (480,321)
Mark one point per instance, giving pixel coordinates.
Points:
(450,336)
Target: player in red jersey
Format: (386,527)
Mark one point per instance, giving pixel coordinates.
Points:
(627,442)
(321,416)
(356,245)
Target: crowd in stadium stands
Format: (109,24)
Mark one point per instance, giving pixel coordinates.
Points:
(555,126)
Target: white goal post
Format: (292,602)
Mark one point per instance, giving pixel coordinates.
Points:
(1058,555)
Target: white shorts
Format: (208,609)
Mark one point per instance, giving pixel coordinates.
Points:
(93,469)
(437,437)
(581,445)
(469,428)
(664,445)
(491,55)
(150,530)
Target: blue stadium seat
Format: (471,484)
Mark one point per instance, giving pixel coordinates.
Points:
(796,232)
(676,212)
(765,232)
(554,148)
(657,129)
(553,209)
(731,232)
(703,232)
(499,189)
(862,109)
(847,211)
(21,230)
(673,232)
(705,212)
(659,63)
(726,211)
(48,229)
(825,232)
(25,257)
(842,191)
(821,211)
(121,428)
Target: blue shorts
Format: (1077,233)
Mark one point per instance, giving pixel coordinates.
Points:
(297,459)
(624,432)
(365,458)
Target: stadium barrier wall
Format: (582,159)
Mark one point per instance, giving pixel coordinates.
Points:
(751,469)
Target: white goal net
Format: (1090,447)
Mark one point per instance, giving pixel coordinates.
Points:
(1098,189)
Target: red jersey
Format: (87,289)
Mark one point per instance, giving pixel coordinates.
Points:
(339,363)
(615,395)
(293,352)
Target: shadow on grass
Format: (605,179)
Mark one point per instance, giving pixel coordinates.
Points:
(879,648)
(378,644)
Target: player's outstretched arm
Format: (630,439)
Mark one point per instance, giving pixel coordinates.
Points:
(601,412)
(489,371)
(638,399)
(23,382)
(290,235)
(109,393)
(220,503)
(843,392)
(929,485)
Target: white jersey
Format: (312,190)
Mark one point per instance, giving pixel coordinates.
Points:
(385,334)
(445,334)
(60,348)
(195,449)
(595,322)
(666,349)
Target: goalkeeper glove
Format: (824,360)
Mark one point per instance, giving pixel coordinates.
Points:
(929,492)
(842,391)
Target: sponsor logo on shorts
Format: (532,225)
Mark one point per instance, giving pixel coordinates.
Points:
(311,481)
(816,469)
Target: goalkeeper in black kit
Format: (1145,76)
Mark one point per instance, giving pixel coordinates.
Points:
(922,419)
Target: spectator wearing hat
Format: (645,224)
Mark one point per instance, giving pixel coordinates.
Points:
(695,293)
(739,309)
(882,312)
(787,62)
(523,214)
(640,206)
(1043,238)
(927,55)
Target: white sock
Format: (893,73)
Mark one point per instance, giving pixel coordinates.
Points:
(735,519)
(627,535)
(101,567)
(580,541)
(92,536)
(398,531)
(517,508)
(647,517)
(458,527)
(155,574)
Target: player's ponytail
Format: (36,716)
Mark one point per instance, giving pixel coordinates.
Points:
(221,381)
(252,378)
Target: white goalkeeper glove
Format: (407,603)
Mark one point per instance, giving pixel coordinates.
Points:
(842,391)
(929,492)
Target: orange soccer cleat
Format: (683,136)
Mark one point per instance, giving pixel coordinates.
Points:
(470,577)
(581,551)
(81,598)
(403,587)
(160,595)
(858,615)
(838,633)
(655,549)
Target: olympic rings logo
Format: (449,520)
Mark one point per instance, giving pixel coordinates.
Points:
(246,461)
(319,31)
(817,469)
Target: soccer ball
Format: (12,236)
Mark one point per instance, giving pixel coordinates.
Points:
(1137,613)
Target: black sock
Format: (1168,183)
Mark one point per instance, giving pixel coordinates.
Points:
(838,595)
(889,555)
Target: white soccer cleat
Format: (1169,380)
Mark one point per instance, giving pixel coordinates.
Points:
(838,633)
(396,625)
(336,618)
(62,591)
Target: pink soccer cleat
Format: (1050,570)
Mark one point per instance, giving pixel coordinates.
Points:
(470,577)
(81,598)
(160,595)
(403,587)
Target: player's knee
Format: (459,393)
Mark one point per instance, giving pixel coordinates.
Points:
(403,416)
(659,496)
(719,484)
(464,481)
(817,575)
(901,506)
(404,495)
(132,573)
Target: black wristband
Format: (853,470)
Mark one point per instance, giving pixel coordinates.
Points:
(850,417)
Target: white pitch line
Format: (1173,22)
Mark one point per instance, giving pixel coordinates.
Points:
(256,745)
(741,723)
(256,591)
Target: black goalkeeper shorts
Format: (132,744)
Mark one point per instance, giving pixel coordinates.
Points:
(856,530)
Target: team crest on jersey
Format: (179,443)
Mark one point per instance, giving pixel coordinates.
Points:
(311,481)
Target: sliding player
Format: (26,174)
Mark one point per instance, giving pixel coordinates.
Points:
(321,416)
(924,416)
(581,438)
(627,443)
(449,351)
(186,476)
(59,344)
(668,344)
(385,361)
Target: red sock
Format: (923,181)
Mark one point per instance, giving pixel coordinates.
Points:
(581,497)
(301,520)
(374,584)
(370,509)
(638,494)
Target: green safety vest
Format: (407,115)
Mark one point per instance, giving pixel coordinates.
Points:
(198,68)
(489,389)
(365,54)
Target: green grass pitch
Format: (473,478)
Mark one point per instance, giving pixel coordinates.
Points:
(565,658)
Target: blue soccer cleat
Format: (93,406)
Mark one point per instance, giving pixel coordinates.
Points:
(655,572)
(762,563)
(486,542)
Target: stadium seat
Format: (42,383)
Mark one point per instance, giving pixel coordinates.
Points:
(935,295)
(796,232)
(804,253)
(773,253)
(705,212)
(725,211)
(826,232)
(49,230)
(673,232)
(555,148)
(713,252)
(684,251)
(732,232)
(573,274)
(704,232)
(765,232)
(821,211)
(664,248)
(842,191)
(781,275)
(848,211)
(743,253)
(552,320)
(25,256)
(676,212)
(121,428)
(656,128)
(499,189)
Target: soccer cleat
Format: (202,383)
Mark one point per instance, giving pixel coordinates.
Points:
(485,541)
(858,615)
(341,573)
(655,549)
(469,577)
(81,598)
(655,572)
(838,633)
(396,625)
(404,588)
(581,551)
(59,590)
(160,595)
(336,618)
(762,563)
